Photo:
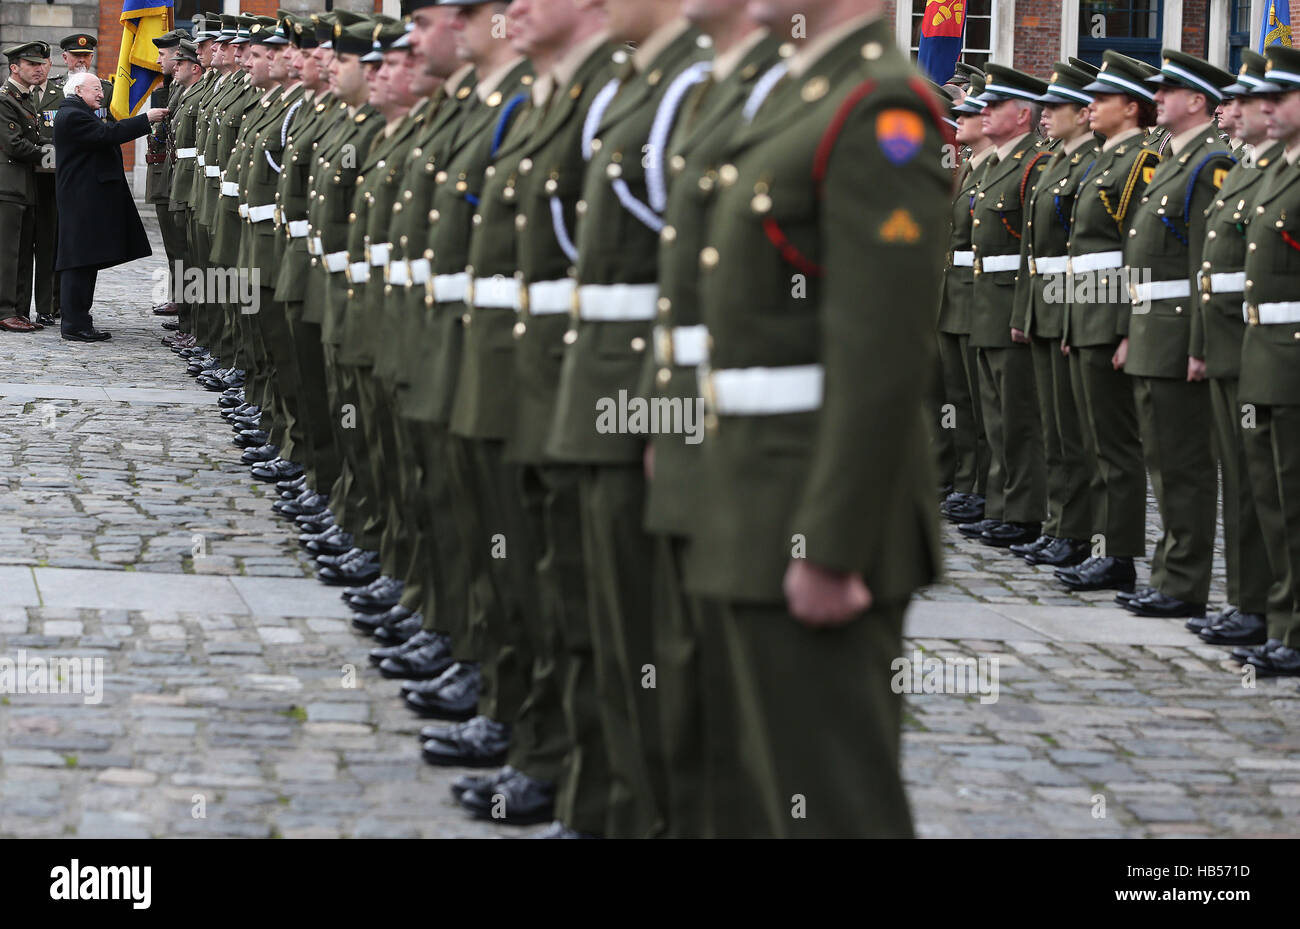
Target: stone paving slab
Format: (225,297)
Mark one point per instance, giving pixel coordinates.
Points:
(17,588)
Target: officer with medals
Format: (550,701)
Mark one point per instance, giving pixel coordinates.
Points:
(21,151)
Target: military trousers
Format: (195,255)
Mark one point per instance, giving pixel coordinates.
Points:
(174,244)
(811,722)
(1017,486)
(1107,413)
(381,469)
(16,257)
(1245,556)
(311,423)
(352,508)
(941,438)
(961,418)
(1175,420)
(446,588)
(406,482)
(1273,458)
(1069,511)
(46,245)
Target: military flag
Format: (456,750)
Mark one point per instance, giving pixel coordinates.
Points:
(138,72)
(1275,27)
(942,26)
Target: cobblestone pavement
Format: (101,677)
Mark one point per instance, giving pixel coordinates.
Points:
(130,532)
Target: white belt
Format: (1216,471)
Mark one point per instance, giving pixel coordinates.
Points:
(243,211)
(314,246)
(1056,264)
(336,262)
(358,272)
(448,288)
(1095,261)
(617,302)
(993,263)
(766,391)
(1271,314)
(211,171)
(498,292)
(1160,290)
(420,270)
(1222,282)
(379,254)
(298,228)
(681,345)
(548,297)
(202,161)
(229,189)
(187,153)
(260,214)
(397,272)
(963,259)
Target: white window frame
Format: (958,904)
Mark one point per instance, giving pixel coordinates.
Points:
(1001,38)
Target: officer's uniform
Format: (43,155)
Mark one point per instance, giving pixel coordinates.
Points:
(46,102)
(184,157)
(1165,237)
(158,166)
(21,150)
(833,191)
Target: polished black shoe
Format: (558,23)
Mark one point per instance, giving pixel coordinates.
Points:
(1102,574)
(278,470)
(45,319)
(240,424)
(456,699)
(418,639)
(293,486)
(464,782)
(479,743)
(310,504)
(421,664)
(200,364)
(1061,553)
(1004,534)
(1158,604)
(369,622)
(400,631)
(517,801)
(318,523)
(172,326)
(330,545)
(354,572)
(252,438)
(1198,624)
(970,510)
(976,529)
(351,555)
(230,402)
(1243,654)
(374,585)
(260,454)
(1238,629)
(380,597)
(1282,661)
(1125,597)
(1028,548)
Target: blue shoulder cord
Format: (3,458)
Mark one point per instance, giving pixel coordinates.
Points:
(1187,200)
(498,136)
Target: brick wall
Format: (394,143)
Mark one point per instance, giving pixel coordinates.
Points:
(1194,16)
(1038,35)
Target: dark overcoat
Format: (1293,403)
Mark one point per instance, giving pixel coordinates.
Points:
(98,223)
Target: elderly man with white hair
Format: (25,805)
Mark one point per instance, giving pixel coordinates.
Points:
(98,223)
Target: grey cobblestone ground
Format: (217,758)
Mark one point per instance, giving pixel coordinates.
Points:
(216,703)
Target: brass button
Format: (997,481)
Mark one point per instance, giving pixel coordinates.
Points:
(440,177)
(728,175)
(434,216)
(490,171)
(519,330)
(668,235)
(521,221)
(477,219)
(613,171)
(664,305)
(464,319)
(552,186)
(580,208)
(595,145)
(677,163)
(638,344)
(761,203)
(709,257)
(525,166)
(664,376)
(570,336)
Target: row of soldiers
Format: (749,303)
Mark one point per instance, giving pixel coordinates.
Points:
(577,341)
(1122,298)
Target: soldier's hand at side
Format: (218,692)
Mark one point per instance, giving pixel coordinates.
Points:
(648,462)
(1121,355)
(1018,336)
(1195,369)
(819,597)
(1065,348)
(157,114)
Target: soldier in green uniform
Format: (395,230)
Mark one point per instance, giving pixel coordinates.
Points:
(1220,330)
(1040,317)
(21,150)
(46,95)
(1162,255)
(1097,321)
(806,546)
(79,55)
(1016,500)
(962,418)
(158,166)
(188,76)
(1270,363)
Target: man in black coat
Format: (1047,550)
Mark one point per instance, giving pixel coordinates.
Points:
(98,223)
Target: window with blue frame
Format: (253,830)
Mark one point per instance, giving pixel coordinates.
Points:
(1238,32)
(1133,27)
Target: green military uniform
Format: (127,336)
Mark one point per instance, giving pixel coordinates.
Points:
(183,155)
(836,185)
(46,102)
(21,150)
(1017,490)
(158,166)
(1040,314)
(1270,378)
(1162,255)
(616,302)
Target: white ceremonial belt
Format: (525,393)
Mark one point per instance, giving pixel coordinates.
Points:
(314,246)
(681,345)
(298,228)
(1271,314)
(187,153)
(211,171)
(260,214)
(549,297)
(1057,264)
(1095,261)
(499,293)
(1160,290)
(420,270)
(397,272)
(767,391)
(243,211)
(229,189)
(448,288)
(379,254)
(617,302)
(963,259)
(358,272)
(991,264)
(336,262)
(202,161)
(1222,282)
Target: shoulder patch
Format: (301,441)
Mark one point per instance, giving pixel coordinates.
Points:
(1219,175)
(1147,173)
(900,134)
(900,227)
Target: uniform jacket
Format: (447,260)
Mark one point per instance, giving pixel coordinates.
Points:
(46,106)
(232,145)
(20,146)
(1165,237)
(831,274)
(1270,353)
(258,175)
(311,123)
(959,280)
(158,166)
(184,121)
(98,223)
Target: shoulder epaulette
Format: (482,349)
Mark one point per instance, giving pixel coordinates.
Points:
(1024,180)
(1196,173)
